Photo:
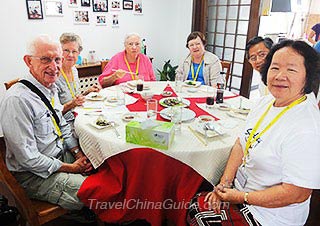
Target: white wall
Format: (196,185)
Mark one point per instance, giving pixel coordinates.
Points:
(165,24)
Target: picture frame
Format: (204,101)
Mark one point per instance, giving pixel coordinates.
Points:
(81,17)
(137,7)
(127,5)
(34,9)
(54,7)
(115,5)
(100,5)
(85,3)
(115,20)
(101,20)
(73,3)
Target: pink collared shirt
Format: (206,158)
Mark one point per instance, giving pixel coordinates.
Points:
(118,62)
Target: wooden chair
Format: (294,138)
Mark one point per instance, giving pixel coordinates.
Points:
(11,83)
(226,67)
(33,212)
(103,64)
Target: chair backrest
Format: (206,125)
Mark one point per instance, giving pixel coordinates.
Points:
(11,83)
(103,64)
(34,212)
(226,67)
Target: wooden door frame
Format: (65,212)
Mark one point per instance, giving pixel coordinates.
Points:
(199,23)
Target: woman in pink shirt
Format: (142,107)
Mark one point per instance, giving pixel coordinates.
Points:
(130,60)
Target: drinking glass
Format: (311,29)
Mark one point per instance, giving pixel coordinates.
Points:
(176,117)
(121,97)
(140,81)
(210,97)
(152,108)
(178,84)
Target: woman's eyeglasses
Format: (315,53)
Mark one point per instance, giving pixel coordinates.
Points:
(67,51)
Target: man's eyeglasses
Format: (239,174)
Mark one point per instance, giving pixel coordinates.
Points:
(260,55)
(67,51)
(48,60)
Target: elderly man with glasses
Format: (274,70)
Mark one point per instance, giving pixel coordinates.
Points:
(256,50)
(41,151)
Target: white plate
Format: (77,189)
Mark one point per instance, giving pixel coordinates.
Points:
(199,128)
(127,117)
(187,114)
(190,83)
(243,111)
(95,96)
(94,124)
(164,102)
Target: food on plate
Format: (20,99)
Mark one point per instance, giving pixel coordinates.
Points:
(191,83)
(128,117)
(206,118)
(166,93)
(172,102)
(102,122)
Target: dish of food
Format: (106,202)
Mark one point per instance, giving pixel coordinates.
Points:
(101,123)
(112,99)
(187,114)
(166,93)
(191,83)
(95,96)
(174,101)
(128,117)
(205,118)
(223,106)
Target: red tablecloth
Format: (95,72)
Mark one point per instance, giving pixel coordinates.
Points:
(141,184)
(140,105)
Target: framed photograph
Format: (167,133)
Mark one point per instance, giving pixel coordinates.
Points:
(81,17)
(100,5)
(101,20)
(127,5)
(53,8)
(115,20)
(115,5)
(34,9)
(73,3)
(137,7)
(85,3)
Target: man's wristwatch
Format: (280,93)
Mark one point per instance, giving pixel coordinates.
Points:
(75,151)
(246,198)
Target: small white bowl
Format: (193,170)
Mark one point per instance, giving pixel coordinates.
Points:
(205,118)
(146,95)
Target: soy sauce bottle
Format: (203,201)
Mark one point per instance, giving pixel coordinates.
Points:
(220,90)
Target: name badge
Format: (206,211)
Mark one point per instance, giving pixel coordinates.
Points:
(241,177)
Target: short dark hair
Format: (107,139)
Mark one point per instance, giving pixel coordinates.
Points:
(256,40)
(311,63)
(194,35)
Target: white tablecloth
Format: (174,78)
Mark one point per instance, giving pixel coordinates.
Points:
(209,161)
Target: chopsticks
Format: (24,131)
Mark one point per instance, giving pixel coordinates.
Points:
(197,136)
(125,71)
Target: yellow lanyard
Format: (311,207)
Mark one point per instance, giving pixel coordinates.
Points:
(251,140)
(137,67)
(197,72)
(67,81)
(56,126)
